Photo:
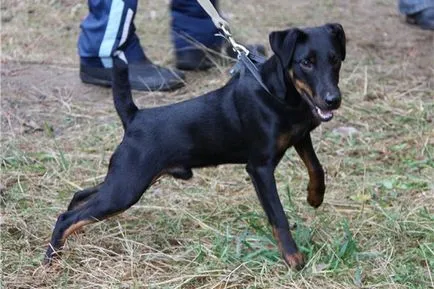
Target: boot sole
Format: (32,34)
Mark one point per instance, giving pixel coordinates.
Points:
(85,78)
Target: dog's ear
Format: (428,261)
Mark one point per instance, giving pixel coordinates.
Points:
(283,44)
(337,31)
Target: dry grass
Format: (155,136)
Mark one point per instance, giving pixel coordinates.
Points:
(375,229)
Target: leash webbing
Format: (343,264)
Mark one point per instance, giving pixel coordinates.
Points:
(218,21)
(243,54)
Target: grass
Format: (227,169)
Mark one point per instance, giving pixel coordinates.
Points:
(374,230)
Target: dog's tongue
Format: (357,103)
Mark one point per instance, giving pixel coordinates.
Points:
(324,114)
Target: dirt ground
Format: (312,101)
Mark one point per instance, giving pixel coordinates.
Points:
(374,230)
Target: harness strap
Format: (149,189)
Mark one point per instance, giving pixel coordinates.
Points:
(253,69)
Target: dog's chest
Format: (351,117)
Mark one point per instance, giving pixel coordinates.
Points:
(288,137)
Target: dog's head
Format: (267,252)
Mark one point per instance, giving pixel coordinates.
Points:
(310,61)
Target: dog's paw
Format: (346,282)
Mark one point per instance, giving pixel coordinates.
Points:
(295,261)
(315,194)
(314,200)
(48,260)
(50,256)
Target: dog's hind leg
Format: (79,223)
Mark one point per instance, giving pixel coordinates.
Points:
(127,179)
(81,197)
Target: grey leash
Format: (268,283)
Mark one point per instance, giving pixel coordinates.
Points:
(243,54)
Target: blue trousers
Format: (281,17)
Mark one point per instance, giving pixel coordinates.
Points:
(409,7)
(110,24)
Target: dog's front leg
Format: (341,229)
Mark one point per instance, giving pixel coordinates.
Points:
(263,179)
(316,186)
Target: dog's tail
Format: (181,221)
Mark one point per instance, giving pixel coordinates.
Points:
(122,97)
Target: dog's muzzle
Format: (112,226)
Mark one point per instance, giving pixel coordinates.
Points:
(323,114)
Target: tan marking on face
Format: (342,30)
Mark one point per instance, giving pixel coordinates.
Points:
(302,86)
(75,227)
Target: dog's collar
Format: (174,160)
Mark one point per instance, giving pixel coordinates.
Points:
(247,61)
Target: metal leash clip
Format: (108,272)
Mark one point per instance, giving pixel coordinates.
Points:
(238,48)
(243,54)
(221,24)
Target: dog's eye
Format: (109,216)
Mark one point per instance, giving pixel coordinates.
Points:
(306,63)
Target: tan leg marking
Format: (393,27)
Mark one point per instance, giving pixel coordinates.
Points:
(283,142)
(295,261)
(75,227)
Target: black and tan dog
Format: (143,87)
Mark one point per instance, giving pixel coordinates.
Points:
(238,123)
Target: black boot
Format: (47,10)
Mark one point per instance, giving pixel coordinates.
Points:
(143,75)
(424,19)
(193,59)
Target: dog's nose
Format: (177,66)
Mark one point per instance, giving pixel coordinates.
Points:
(333,100)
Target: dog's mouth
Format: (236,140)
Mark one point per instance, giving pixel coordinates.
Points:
(322,114)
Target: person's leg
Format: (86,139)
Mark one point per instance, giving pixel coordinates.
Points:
(419,12)
(109,22)
(109,27)
(409,7)
(192,33)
